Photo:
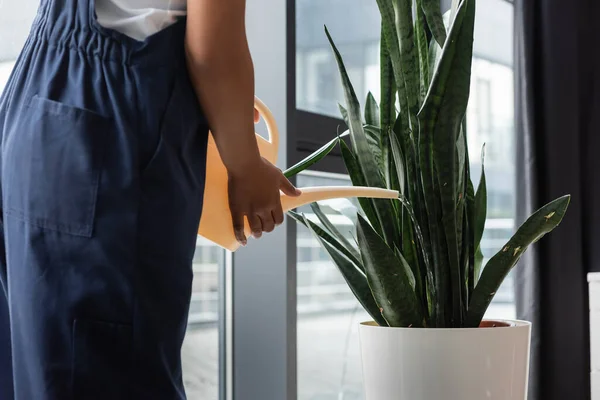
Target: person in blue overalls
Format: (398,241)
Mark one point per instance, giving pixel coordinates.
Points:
(103,151)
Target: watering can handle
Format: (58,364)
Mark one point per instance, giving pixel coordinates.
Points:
(272,130)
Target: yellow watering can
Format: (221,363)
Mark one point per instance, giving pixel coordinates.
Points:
(216,222)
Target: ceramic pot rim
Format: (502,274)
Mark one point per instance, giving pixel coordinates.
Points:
(499,324)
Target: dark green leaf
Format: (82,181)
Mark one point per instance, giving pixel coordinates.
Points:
(328,237)
(408,56)
(480,203)
(360,144)
(433,13)
(387,278)
(398,161)
(440,118)
(423,50)
(390,38)
(313,158)
(371,111)
(335,232)
(373,134)
(357,179)
(388,87)
(537,225)
(373,176)
(355,279)
(344,114)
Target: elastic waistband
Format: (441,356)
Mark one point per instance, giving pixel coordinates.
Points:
(73,24)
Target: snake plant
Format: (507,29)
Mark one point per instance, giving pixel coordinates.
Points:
(418,260)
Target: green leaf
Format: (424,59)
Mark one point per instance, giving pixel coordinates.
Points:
(408,56)
(357,179)
(360,144)
(435,52)
(355,279)
(423,50)
(398,162)
(344,114)
(433,13)
(390,38)
(440,118)
(472,271)
(371,111)
(373,176)
(327,236)
(335,232)
(478,263)
(388,87)
(387,278)
(480,203)
(537,225)
(313,158)
(373,134)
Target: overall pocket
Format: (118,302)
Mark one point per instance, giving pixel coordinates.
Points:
(52,164)
(102,360)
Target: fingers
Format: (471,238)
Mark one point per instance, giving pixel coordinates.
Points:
(267,222)
(256,116)
(287,187)
(238,227)
(277,215)
(256,225)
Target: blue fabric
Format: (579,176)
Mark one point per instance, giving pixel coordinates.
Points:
(103,159)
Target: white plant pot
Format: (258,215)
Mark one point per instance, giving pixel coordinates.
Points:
(449,364)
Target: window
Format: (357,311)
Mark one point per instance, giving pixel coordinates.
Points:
(328,312)
(328,315)
(200,352)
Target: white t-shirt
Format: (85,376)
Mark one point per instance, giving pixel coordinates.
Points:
(139,18)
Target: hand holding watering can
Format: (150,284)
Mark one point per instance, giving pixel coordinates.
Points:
(216,223)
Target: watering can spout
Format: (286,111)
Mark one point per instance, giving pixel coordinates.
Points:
(216,223)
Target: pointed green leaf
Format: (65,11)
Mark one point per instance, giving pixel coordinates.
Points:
(398,162)
(433,13)
(478,264)
(440,118)
(423,50)
(355,279)
(537,225)
(357,179)
(344,114)
(313,158)
(327,236)
(480,203)
(388,87)
(417,230)
(373,134)
(367,163)
(408,269)
(472,273)
(371,111)
(360,144)
(435,52)
(334,231)
(388,280)
(390,38)
(408,56)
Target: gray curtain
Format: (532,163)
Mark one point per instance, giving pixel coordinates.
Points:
(557,83)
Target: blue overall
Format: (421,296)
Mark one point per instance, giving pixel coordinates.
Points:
(103,157)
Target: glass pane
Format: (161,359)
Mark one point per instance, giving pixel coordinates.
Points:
(200,352)
(328,312)
(317,79)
